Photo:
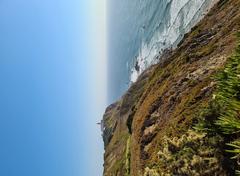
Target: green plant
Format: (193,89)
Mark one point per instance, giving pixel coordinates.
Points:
(225,119)
(128,157)
(235,151)
(228,94)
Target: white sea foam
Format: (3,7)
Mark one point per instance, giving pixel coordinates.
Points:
(182,16)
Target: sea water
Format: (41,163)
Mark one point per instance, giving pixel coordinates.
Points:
(140,30)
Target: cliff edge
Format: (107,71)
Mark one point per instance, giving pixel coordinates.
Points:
(171,120)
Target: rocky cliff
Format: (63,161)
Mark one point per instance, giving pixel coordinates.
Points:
(174,120)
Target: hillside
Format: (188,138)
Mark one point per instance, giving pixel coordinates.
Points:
(181,115)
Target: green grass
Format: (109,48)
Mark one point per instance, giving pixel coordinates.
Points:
(203,149)
(128,157)
(228,95)
(223,114)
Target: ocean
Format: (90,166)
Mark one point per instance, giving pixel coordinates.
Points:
(139,30)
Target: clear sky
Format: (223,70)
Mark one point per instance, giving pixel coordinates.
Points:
(52,87)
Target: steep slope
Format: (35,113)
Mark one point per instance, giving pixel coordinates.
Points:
(178,17)
(150,130)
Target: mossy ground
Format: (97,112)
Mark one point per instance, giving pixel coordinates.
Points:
(180,89)
(223,114)
(175,96)
(202,150)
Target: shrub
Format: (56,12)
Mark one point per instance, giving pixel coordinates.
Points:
(193,153)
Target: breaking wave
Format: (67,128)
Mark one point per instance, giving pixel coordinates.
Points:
(158,34)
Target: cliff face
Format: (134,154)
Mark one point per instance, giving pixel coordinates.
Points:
(150,130)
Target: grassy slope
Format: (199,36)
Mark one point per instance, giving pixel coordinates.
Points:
(166,102)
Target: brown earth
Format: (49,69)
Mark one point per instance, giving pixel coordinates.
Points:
(167,98)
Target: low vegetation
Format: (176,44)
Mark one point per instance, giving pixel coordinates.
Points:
(128,157)
(193,153)
(215,138)
(223,114)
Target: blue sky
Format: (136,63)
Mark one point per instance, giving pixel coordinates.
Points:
(52,87)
